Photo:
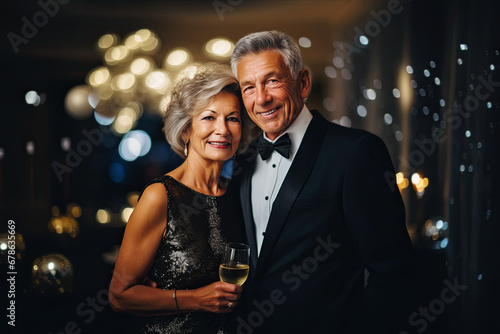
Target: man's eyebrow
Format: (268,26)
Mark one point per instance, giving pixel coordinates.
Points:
(265,76)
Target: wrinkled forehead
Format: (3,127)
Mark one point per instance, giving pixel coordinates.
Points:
(263,64)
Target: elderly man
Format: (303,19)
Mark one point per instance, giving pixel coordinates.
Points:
(320,208)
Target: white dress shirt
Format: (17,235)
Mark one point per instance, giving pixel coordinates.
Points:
(269,175)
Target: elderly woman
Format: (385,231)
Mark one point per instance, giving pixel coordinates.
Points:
(176,236)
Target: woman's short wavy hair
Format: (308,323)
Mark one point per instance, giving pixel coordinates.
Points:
(191,93)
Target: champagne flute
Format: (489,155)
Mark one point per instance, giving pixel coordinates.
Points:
(234,268)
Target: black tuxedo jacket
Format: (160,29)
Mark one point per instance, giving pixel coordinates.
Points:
(338,212)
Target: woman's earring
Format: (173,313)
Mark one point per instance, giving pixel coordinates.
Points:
(185,149)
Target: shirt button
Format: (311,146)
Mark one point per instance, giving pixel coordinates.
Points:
(274,165)
(266,198)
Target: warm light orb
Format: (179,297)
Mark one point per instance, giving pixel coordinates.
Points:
(415,178)
(106,92)
(150,45)
(107,41)
(158,81)
(74,210)
(116,54)
(77,102)
(220,47)
(402,181)
(137,107)
(142,40)
(65,224)
(125,120)
(143,34)
(177,58)
(419,184)
(123,82)
(399,177)
(132,42)
(141,66)
(126,213)
(133,198)
(103,216)
(99,77)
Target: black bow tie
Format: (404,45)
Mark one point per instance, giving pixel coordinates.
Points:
(282,146)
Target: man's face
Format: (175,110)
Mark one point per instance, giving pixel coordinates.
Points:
(272,98)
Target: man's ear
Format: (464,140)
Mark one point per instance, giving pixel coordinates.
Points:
(305,83)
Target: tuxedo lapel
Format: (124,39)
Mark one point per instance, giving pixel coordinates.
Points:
(246,203)
(295,179)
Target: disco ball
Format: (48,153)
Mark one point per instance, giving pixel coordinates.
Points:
(52,274)
(12,245)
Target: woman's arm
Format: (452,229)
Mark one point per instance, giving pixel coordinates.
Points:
(143,235)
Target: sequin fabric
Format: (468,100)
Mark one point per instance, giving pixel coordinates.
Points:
(188,256)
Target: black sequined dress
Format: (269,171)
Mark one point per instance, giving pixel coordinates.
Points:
(189,254)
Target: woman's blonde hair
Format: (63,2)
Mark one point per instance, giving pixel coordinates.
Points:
(191,93)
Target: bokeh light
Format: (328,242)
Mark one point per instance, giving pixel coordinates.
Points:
(116,172)
(125,120)
(305,42)
(77,102)
(177,58)
(219,47)
(103,216)
(126,212)
(99,77)
(107,41)
(134,144)
(159,81)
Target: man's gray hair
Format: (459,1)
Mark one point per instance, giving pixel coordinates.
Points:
(258,42)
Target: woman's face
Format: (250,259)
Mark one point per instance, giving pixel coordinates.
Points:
(216,130)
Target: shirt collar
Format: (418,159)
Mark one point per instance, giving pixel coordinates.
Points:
(296,130)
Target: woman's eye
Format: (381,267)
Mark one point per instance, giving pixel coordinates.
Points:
(208,118)
(233,119)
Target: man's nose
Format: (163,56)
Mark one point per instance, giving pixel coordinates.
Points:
(262,96)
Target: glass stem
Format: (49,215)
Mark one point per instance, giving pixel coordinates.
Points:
(222,321)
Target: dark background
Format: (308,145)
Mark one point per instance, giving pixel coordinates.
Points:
(462,167)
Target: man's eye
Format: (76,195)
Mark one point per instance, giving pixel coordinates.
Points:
(233,119)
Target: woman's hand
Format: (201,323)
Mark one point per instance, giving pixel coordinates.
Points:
(218,297)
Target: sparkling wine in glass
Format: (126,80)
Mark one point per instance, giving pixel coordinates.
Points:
(234,268)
